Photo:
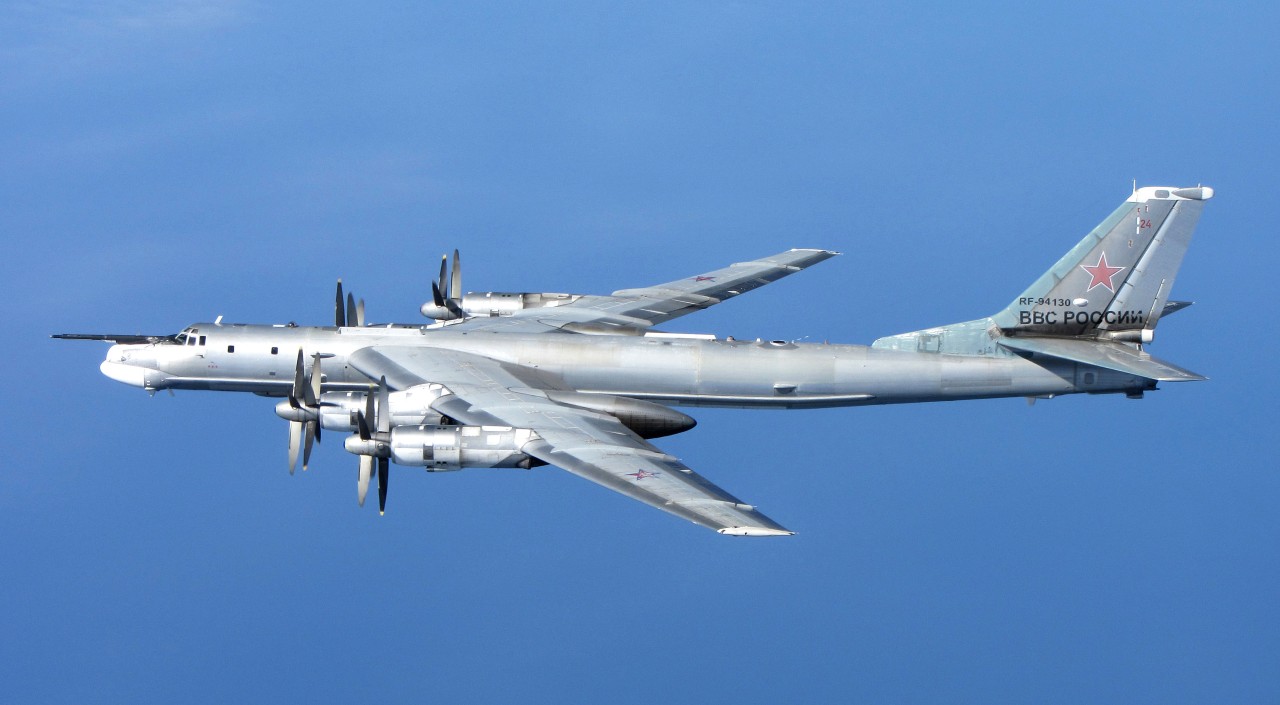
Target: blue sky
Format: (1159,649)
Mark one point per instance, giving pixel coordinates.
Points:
(172,162)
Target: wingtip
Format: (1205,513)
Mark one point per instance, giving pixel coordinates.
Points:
(753,531)
(817,250)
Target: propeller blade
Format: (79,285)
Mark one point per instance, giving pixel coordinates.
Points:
(340,317)
(436,296)
(444,276)
(382,485)
(383,419)
(309,437)
(295,440)
(351,310)
(455,282)
(362,480)
(360,313)
(297,392)
(362,420)
(312,391)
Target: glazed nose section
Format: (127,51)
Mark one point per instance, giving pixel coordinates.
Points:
(117,367)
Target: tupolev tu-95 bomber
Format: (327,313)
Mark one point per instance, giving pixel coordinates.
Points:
(583,382)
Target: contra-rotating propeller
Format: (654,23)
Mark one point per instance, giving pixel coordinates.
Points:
(302,411)
(347,313)
(446,293)
(372,443)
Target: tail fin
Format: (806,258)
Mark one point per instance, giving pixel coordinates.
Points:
(1111,287)
(1115,283)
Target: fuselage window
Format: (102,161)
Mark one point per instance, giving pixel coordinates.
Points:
(231,348)
(275,351)
(202,340)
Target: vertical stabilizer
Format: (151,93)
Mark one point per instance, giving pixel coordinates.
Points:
(1116,281)
(1112,286)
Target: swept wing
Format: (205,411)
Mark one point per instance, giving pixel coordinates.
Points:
(589,444)
(633,311)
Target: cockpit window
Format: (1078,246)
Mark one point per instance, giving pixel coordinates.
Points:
(186,337)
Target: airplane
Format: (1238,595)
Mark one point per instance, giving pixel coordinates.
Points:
(585,382)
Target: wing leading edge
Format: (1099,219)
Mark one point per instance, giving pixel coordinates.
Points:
(633,311)
(589,444)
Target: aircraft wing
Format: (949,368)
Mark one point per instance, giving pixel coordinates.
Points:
(632,311)
(589,444)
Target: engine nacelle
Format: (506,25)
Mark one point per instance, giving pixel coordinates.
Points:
(442,448)
(495,303)
(439,313)
(339,410)
(647,419)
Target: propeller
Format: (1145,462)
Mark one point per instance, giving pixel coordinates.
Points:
(373,428)
(441,301)
(447,292)
(302,409)
(347,312)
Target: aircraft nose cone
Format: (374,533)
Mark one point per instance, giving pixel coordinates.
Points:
(130,375)
(117,366)
(116,353)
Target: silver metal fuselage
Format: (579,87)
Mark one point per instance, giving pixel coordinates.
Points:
(673,370)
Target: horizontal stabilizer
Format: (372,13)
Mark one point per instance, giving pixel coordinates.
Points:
(1174,307)
(1106,354)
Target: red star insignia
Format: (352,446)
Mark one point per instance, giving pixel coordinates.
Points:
(704,279)
(641,474)
(1102,273)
